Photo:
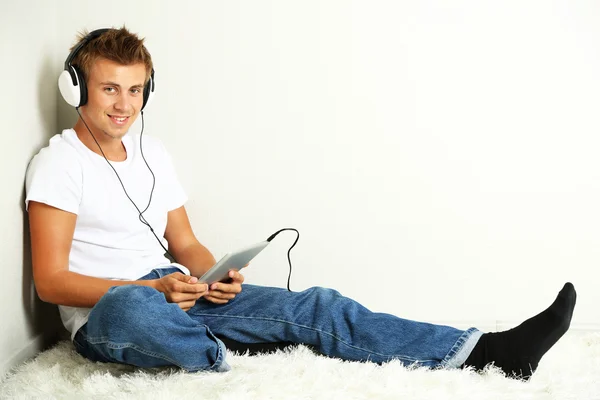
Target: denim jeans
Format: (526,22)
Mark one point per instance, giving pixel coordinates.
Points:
(135,325)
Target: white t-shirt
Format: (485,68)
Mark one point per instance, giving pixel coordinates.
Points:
(109,240)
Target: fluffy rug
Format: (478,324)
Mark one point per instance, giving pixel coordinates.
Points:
(571,370)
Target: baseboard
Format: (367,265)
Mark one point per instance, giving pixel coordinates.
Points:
(497,326)
(575,327)
(27,352)
(37,344)
(586,327)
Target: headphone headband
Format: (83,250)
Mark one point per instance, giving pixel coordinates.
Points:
(88,38)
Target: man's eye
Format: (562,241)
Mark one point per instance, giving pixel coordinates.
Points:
(136,91)
(109,89)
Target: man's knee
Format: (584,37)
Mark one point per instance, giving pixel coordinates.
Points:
(323,295)
(125,305)
(132,295)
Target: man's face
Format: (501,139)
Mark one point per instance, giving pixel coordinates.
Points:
(115,97)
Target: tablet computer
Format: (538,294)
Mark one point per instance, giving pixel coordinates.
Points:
(235,260)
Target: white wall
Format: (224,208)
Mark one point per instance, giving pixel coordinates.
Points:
(28,106)
(437,157)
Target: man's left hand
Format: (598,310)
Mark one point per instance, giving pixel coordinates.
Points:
(222,292)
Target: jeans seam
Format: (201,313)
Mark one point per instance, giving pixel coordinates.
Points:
(115,345)
(395,357)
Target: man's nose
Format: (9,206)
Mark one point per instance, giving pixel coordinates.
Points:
(123,102)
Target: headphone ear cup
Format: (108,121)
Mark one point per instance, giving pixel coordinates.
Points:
(82,86)
(68,83)
(148,90)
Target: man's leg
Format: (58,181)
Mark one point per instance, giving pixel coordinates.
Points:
(135,325)
(340,327)
(334,325)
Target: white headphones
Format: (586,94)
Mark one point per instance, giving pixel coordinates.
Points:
(71,81)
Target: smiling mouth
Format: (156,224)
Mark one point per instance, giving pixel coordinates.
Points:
(119,120)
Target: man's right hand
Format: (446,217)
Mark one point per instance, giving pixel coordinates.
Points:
(181,289)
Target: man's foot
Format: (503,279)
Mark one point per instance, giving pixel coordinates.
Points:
(519,350)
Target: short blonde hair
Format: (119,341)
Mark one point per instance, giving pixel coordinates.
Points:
(118,45)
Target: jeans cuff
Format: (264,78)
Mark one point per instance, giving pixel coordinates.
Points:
(462,349)
(221,364)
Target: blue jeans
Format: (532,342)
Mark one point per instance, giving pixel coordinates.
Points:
(135,325)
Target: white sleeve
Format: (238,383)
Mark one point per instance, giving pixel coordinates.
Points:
(177,196)
(55,179)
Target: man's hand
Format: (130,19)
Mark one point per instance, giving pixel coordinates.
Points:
(181,289)
(222,292)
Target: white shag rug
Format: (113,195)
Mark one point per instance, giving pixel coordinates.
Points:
(571,370)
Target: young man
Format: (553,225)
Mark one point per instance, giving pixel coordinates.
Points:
(95,238)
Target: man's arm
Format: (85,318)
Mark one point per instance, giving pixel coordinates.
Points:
(51,237)
(184,245)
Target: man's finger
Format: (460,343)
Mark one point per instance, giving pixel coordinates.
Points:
(236,276)
(221,295)
(179,297)
(226,287)
(179,276)
(190,287)
(186,305)
(216,300)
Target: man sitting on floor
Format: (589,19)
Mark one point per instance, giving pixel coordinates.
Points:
(102,207)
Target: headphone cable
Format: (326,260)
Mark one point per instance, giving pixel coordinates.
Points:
(289,250)
(141,216)
(143,219)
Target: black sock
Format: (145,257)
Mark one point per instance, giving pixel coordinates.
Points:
(519,350)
